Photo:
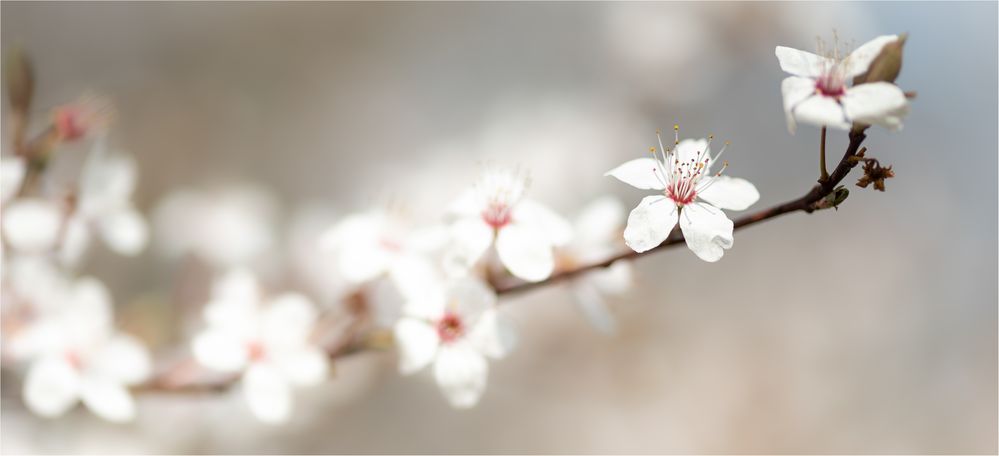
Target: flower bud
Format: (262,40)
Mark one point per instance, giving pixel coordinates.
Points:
(886,66)
(20,80)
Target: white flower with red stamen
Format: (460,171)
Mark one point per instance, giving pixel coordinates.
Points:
(104,206)
(690,193)
(455,327)
(496,212)
(78,356)
(597,236)
(269,344)
(818,92)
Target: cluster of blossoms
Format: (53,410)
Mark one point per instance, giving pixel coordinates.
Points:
(56,323)
(434,288)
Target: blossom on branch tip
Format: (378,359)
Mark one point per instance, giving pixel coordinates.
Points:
(817,92)
(455,327)
(496,213)
(268,343)
(691,194)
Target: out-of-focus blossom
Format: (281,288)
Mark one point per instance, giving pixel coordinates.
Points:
(455,326)
(78,356)
(32,225)
(87,116)
(12,170)
(268,342)
(376,243)
(104,205)
(684,177)
(817,92)
(226,227)
(597,236)
(496,212)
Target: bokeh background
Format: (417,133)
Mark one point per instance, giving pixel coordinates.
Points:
(869,329)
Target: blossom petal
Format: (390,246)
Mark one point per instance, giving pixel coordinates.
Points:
(417,341)
(220,350)
(306,366)
(794,90)
(32,225)
(590,302)
(51,387)
(75,241)
(124,359)
(615,279)
(470,298)
(801,63)
(525,251)
(125,231)
(858,62)
(707,230)
(691,149)
(108,399)
(287,321)
(12,171)
(267,393)
(639,173)
(821,111)
(876,103)
(461,373)
(729,193)
(600,222)
(557,227)
(650,223)
(470,237)
(493,335)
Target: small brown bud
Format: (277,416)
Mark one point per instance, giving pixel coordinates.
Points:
(887,65)
(20,80)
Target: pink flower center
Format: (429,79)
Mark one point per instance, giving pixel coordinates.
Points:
(831,85)
(74,359)
(496,215)
(450,327)
(682,186)
(255,351)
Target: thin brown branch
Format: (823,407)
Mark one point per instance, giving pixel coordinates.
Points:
(805,203)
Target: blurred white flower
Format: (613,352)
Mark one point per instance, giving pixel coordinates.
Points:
(267,342)
(684,176)
(818,94)
(376,243)
(455,326)
(597,236)
(496,211)
(227,227)
(32,225)
(12,170)
(79,356)
(104,205)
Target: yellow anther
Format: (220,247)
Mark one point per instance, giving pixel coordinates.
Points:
(676,127)
(652,149)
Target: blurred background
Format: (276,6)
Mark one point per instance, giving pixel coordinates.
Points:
(871,329)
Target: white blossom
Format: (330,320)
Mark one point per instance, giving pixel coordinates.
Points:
(32,225)
(690,193)
(495,212)
(455,327)
(597,235)
(268,342)
(229,226)
(818,92)
(78,356)
(104,206)
(12,171)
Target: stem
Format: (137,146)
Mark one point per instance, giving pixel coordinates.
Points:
(166,381)
(823,174)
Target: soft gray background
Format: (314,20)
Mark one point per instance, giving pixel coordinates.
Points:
(871,329)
